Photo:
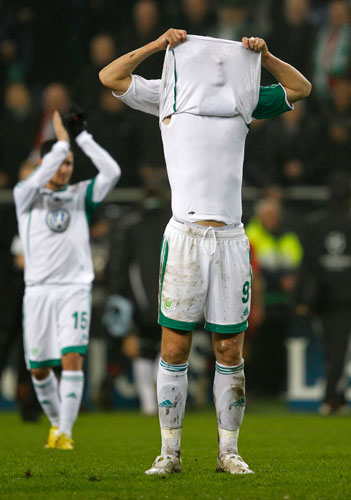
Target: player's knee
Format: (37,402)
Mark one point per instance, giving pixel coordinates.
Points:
(175,355)
(229,352)
(40,373)
(72,361)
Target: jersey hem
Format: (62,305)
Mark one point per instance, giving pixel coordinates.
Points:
(237,328)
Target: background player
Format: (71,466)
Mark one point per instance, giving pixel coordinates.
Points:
(191,250)
(53,220)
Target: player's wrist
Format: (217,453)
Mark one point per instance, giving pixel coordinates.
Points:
(266,59)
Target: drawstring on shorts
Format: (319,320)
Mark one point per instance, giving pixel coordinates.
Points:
(210,228)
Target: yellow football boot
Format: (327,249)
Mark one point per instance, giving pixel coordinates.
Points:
(52,438)
(64,442)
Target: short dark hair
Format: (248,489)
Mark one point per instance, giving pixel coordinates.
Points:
(46,147)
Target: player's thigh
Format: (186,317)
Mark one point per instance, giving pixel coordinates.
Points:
(74,317)
(229,296)
(183,286)
(39,329)
(175,345)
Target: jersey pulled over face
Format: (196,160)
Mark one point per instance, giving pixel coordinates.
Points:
(210,90)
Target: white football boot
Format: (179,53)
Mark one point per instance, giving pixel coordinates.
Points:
(233,463)
(165,464)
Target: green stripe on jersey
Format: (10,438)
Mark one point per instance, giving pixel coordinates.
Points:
(90,205)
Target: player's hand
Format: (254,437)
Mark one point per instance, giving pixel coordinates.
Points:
(75,120)
(60,131)
(256,44)
(171,38)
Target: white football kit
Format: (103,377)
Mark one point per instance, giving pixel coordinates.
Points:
(54,231)
(210,90)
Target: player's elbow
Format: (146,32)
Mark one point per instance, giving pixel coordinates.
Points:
(104,78)
(307,88)
(304,89)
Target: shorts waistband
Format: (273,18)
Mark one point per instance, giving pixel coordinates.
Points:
(231,231)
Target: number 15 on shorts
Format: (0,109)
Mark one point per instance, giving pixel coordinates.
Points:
(80,320)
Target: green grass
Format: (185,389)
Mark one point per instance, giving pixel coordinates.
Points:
(294,457)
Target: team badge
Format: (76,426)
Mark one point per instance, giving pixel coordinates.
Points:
(58,220)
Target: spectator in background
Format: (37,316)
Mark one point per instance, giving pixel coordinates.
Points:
(88,88)
(146,25)
(196,17)
(337,122)
(55,97)
(278,251)
(115,128)
(137,280)
(233,20)
(297,152)
(258,162)
(11,277)
(324,286)
(18,120)
(293,36)
(332,51)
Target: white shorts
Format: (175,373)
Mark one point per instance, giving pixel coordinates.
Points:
(205,272)
(56,321)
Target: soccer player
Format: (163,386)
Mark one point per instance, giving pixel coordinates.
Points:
(53,219)
(205,263)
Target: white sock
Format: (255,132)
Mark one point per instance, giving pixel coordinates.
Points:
(172,385)
(71,391)
(229,397)
(48,397)
(143,372)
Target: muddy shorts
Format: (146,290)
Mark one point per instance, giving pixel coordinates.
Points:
(205,272)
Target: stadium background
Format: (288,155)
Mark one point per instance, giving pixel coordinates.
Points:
(51,52)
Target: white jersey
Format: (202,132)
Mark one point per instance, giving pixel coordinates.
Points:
(53,225)
(210,89)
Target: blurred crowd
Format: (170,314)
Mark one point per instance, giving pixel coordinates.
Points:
(50,55)
(51,52)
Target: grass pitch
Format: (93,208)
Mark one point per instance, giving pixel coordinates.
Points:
(293,456)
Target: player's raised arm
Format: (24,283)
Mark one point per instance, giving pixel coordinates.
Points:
(296,85)
(117,75)
(25,191)
(109,170)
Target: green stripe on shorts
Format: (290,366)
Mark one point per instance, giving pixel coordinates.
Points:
(81,349)
(44,364)
(175,324)
(238,328)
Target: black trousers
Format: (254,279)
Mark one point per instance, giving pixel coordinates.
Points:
(337,332)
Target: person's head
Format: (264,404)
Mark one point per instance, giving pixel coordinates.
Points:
(17,98)
(102,50)
(296,11)
(195,10)
(109,103)
(146,16)
(341,94)
(231,12)
(338,13)
(268,211)
(56,97)
(63,174)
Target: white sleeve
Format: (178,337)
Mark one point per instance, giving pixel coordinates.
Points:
(109,170)
(143,95)
(25,192)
